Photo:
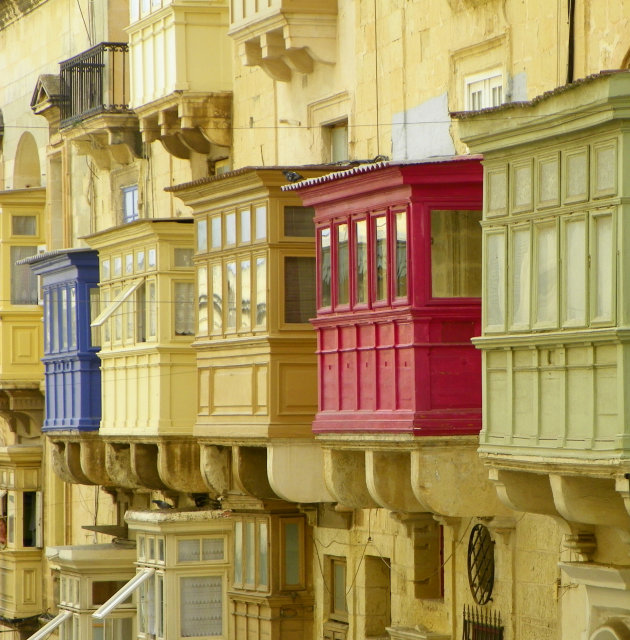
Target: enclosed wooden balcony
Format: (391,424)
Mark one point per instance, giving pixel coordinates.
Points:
(555,339)
(285,36)
(181,75)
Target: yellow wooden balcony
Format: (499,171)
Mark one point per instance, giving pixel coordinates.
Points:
(283,36)
(146,322)
(179,97)
(255,264)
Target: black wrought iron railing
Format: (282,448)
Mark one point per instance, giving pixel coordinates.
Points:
(95,81)
(482,624)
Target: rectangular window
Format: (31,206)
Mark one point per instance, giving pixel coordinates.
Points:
(230,269)
(215,235)
(117,266)
(261,222)
(263,555)
(55,328)
(128,263)
(63,317)
(455,254)
(130,203)
(184,308)
(72,319)
(338,605)
(48,326)
(202,235)
(324,267)
(546,274)
(94,312)
(484,91)
(183,258)
(574,272)
(298,222)
(217,299)
(151,310)
(105,297)
(130,317)
(246,225)
(261,292)
(24,225)
(380,257)
(246,295)
(23,280)
(603,262)
(201,606)
(520,277)
(140,261)
(250,553)
(343,280)
(202,301)
(238,552)
(361,259)
(338,140)
(495,281)
(105,270)
(141,313)
(230,228)
(299,289)
(401,254)
(32,519)
(292,561)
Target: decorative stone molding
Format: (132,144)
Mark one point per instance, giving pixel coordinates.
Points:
(345,477)
(23,410)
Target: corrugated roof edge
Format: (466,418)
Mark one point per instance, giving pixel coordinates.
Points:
(45,255)
(462,115)
(369,168)
(242,170)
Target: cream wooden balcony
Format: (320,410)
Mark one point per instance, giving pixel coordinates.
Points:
(283,36)
(181,74)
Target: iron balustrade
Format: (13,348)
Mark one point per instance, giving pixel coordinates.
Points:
(95,81)
(481,624)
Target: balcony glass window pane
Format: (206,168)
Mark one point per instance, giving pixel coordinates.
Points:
(215,240)
(520,276)
(63,317)
(401,254)
(261,292)
(129,320)
(298,222)
(103,590)
(48,328)
(184,309)
(130,203)
(30,517)
(261,222)
(24,225)
(217,299)
(201,606)
(361,258)
(159,605)
(188,550)
(546,274)
(604,267)
(11,518)
(141,311)
(299,289)
(238,552)
(342,264)
(263,571)
(117,317)
(151,258)
(291,553)
(72,320)
(202,300)
(105,300)
(575,272)
(495,280)
(151,311)
(339,587)
(146,607)
(246,294)
(246,225)
(202,235)
(140,261)
(324,267)
(117,266)
(94,312)
(230,228)
(160,549)
(54,306)
(380,257)
(455,254)
(230,269)
(105,270)
(128,263)
(23,280)
(250,553)
(183,257)
(212,550)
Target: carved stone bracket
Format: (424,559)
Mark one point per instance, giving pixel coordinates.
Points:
(215,465)
(249,469)
(144,465)
(582,543)
(344,471)
(179,466)
(23,410)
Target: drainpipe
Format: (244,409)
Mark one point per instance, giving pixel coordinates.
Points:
(571,42)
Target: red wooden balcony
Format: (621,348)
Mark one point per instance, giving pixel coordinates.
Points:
(399,264)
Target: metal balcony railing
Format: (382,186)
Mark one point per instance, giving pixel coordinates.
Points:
(95,81)
(481,624)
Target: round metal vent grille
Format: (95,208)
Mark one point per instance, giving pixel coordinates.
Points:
(480,564)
